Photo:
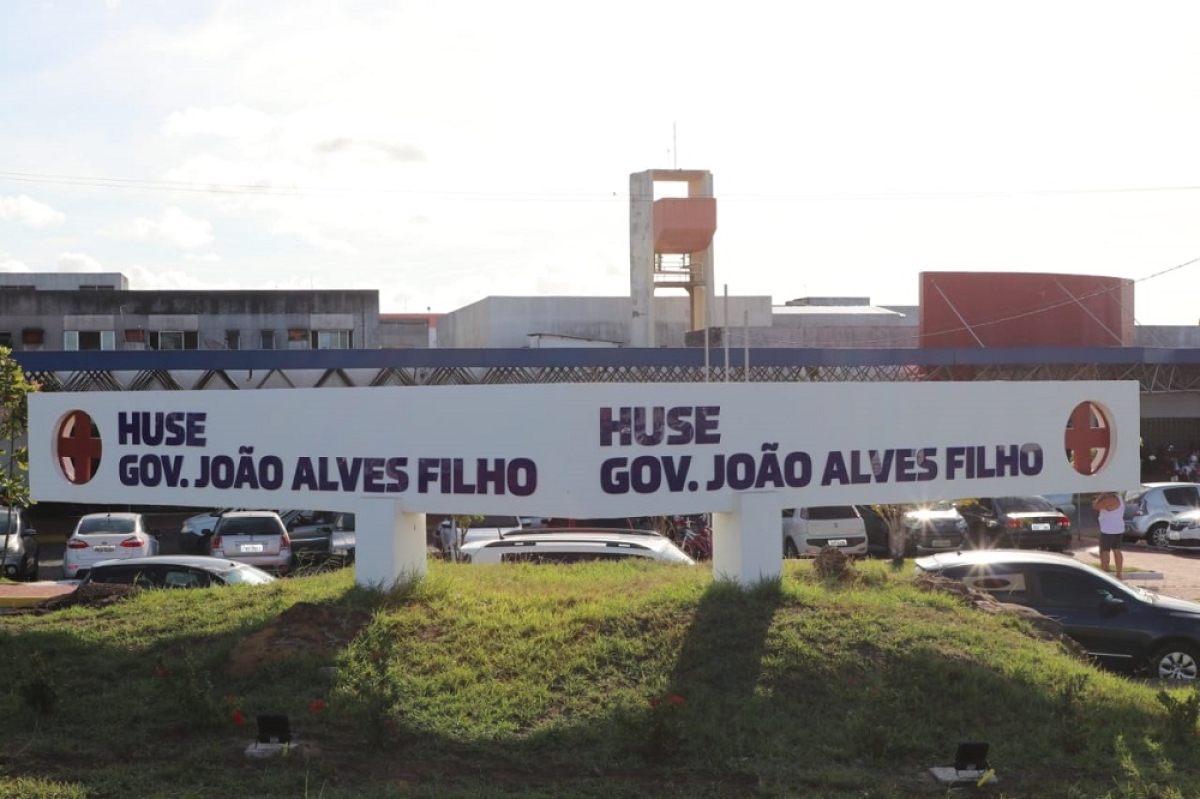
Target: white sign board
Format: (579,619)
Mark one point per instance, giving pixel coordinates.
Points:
(584,450)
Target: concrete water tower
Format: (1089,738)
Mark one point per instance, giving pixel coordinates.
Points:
(670,246)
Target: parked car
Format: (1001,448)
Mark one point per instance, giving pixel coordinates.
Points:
(876,526)
(1150,508)
(176,571)
(1183,532)
(806,531)
(309,531)
(107,536)
(573,545)
(332,543)
(342,541)
(1123,627)
(1026,522)
(19,555)
(936,528)
(195,531)
(257,537)
(482,528)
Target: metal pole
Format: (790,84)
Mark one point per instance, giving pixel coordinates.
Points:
(725,331)
(746,343)
(706,377)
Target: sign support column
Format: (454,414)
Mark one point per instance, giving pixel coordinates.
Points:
(748,541)
(389,544)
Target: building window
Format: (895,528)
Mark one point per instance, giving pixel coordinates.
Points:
(6,339)
(266,339)
(18,288)
(174,340)
(33,335)
(297,339)
(233,339)
(89,339)
(137,336)
(331,339)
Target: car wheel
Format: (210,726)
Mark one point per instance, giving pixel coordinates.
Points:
(1157,537)
(789,549)
(1178,661)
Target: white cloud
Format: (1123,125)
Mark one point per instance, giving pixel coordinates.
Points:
(230,122)
(143,278)
(13,265)
(311,235)
(173,226)
(204,258)
(27,211)
(78,262)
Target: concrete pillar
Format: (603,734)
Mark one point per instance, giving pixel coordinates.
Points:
(389,544)
(641,259)
(748,540)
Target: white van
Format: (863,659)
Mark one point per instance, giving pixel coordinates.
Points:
(806,531)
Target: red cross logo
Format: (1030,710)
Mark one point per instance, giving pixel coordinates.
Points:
(77,447)
(1088,438)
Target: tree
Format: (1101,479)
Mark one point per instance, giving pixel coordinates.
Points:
(893,516)
(460,523)
(14,450)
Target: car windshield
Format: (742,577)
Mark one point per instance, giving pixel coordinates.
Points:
(106,524)
(246,575)
(1024,505)
(495,521)
(8,522)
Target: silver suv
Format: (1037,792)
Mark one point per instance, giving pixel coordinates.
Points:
(257,537)
(1149,510)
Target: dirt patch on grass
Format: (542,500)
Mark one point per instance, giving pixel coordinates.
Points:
(303,629)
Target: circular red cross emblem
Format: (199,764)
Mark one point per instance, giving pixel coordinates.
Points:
(77,447)
(1088,438)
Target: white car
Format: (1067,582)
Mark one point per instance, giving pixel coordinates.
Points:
(806,531)
(573,546)
(107,536)
(177,571)
(1184,531)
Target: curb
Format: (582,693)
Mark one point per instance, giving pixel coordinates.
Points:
(1129,575)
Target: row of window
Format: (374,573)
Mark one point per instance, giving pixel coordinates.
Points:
(189,339)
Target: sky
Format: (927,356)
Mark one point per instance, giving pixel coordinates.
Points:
(443,152)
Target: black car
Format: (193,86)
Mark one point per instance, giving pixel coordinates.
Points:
(1124,628)
(1029,522)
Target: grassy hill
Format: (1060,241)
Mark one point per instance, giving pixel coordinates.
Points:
(604,680)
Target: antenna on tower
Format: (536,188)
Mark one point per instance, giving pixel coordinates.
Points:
(674,148)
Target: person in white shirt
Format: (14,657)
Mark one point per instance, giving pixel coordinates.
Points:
(1110,513)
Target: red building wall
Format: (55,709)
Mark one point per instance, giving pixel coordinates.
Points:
(1025,309)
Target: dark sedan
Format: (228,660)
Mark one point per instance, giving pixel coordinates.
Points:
(1124,628)
(1029,522)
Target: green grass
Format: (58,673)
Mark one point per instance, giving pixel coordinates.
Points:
(597,680)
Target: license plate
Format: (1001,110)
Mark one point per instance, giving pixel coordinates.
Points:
(104,548)
(250,548)
(838,542)
(1042,526)
(940,542)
